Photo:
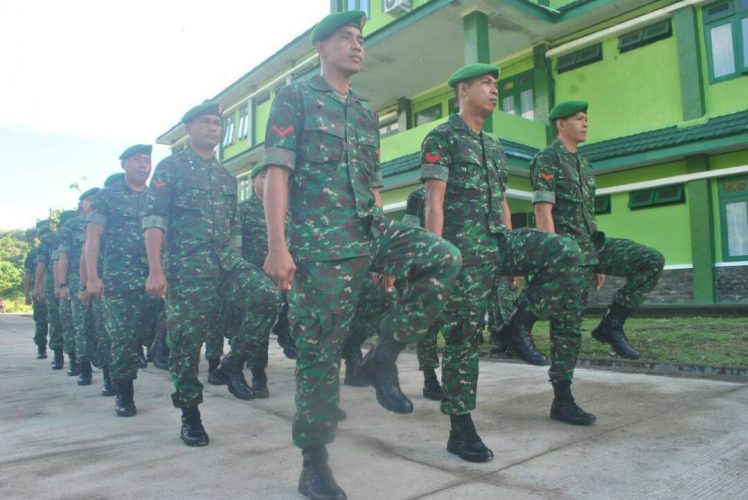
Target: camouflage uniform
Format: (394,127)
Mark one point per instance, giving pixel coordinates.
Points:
(500,306)
(39,308)
(72,237)
(46,248)
(330,144)
(127,308)
(193,200)
(566,180)
(474,168)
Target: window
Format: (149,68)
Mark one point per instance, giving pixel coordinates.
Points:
(429,114)
(357,5)
(645,36)
(665,195)
(602,204)
(391,127)
(244,187)
(726,34)
(580,58)
(453,106)
(516,96)
(244,120)
(733,201)
(228,130)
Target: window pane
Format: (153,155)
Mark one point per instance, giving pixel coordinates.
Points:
(507,105)
(737,228)
(744,4)
(527,108)
(429,115)
(723,55)
(745,42)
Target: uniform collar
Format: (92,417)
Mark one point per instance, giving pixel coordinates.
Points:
(319,83)
(194,156)
(458,122)
(562,149)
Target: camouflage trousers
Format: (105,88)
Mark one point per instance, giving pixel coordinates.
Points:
(373,304)
(68,330)
(642,268)
(192,310)
(40,322)
(151,321)
(126,314)
(428,358)
(323,303)
(53,316)
(500,304)
(550,263)
(83,325)
(100,353)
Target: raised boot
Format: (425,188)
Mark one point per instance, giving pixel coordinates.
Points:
(142,361)
(124,405)
(465,442)
(73,370)
(431,387)
(160,352)
(215,377)
(564,409)
(517,332)
(86,376)
(610,331)
(316,481)
(231,370)
(41,351)
(193,433)
(379,368)
(108,388)
(58,362)
(352,356)
(260,383)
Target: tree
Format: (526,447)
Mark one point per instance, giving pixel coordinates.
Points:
(13,250)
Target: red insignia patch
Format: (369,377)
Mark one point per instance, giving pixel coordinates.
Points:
(158,184)
(433,158)
(546,176)
(282,133)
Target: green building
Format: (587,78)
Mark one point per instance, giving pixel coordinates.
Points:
(667,83)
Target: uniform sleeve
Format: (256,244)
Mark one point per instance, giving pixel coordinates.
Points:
(235,229)
(158,198)
(377,181)
(66,237)
(99,209)
(543,173)
(283,128)
(41,254)
(435,157)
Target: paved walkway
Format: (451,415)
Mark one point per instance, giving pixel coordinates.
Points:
(656,437)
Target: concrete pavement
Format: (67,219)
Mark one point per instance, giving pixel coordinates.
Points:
(656,437)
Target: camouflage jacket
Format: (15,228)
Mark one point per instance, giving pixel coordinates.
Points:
(415,208)
(474,168)
(566,181)
(331,146)
(29,265)
(193,200)
(46,254)
(119,210)
(254,231)
(72,237)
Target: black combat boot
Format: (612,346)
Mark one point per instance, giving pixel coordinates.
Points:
(231,371)
(124,404)
(142,361)
(431,387)
(517,332)
(73,370)
(108,388)
(41,351)
(260,383)
(564,409)
(465,442)
(352,356)
(379,368)
(215,376)
(193,433)
(58,362)
(160,352)
(610,331)
(316,481)
(86,376)
(340,414)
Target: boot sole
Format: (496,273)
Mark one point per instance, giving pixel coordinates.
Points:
(604,340)
(126,414)
(434,396)
(580,423)
(380,398)
(469,458)
(195,444)
(85,382)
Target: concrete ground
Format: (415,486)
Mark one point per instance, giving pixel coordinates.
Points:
(656,437)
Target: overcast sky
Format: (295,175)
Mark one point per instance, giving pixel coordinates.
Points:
(81,80)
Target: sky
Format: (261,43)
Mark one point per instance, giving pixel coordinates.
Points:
(82,80)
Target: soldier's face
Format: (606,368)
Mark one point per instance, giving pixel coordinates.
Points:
(205,131)
(343,50)
(480,94)
(137,168)
(259,183)
(574,127)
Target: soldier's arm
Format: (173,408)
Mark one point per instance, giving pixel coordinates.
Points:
(544,217)
(91,251)
(543,173)
(56,273)
(435,163)
(160,193)
(27,286)
(435,190)
(62,269)
(39,281)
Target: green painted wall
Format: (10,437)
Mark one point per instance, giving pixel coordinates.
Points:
(628,93)
(378,19)
(717,162)
(406,142)
(641,174)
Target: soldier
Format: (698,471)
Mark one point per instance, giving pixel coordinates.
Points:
(114,224)
(44,292)
(72,236)
(322,156)
(564,198)
(39,308)
(192,199)
(500,306)
(464,170)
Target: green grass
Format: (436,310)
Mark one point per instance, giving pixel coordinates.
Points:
(16,305)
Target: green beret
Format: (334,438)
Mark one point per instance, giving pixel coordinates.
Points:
(256,170)
(328,25)
(136,149)
(67,215)
(566,109)
(88,193)
(206,108)
(470,71)
(43,226)
(113,178)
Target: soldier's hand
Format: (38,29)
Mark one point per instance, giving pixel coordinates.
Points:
(279,265)
(39,294)
(598,280)
(514,281)
(83,297)
(64,293)
(95,287)
(155,285)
